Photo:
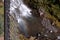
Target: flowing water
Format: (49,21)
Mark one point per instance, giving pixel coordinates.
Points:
(20,10)
(29,24)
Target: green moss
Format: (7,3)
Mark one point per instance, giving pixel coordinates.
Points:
(49,16)
(1,10)
(1,19)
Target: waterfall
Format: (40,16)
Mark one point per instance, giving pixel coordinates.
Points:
(19,9)
(24,16)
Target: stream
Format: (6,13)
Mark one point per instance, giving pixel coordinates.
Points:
(31,25)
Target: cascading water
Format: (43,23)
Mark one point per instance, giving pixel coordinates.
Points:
(20,10)
(28,24)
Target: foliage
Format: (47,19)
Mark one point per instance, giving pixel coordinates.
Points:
(1,19)
(51,7)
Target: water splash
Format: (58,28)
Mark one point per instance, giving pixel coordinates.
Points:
(23,9)
(20,10)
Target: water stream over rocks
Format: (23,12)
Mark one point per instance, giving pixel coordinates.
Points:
(31,25)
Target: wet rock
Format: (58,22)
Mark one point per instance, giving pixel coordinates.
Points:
(58,37)
(47,24)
